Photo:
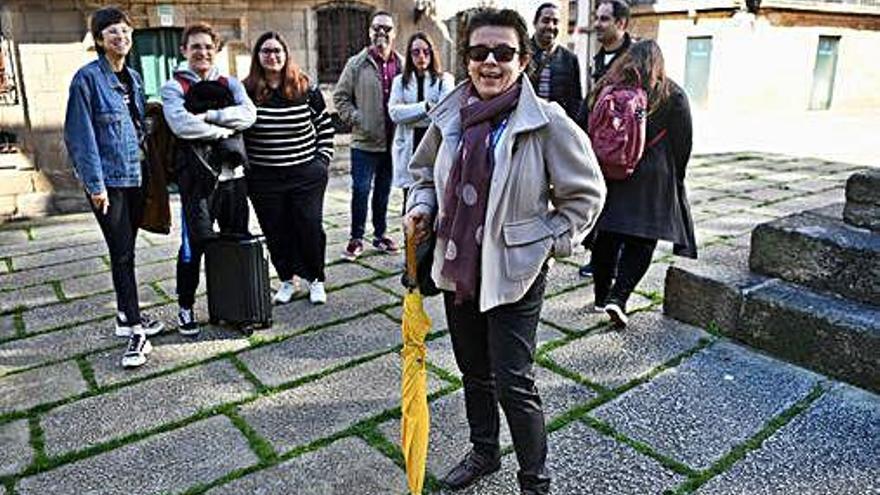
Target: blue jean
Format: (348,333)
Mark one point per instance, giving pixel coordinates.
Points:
(365,166)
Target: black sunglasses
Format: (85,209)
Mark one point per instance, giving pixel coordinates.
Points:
(381,27)
(501,53)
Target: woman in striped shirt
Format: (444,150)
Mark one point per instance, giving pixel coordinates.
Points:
(289,149)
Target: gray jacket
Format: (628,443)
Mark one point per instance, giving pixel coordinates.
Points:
(547,191)
(358,99)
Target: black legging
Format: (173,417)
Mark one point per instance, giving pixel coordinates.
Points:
(632,257)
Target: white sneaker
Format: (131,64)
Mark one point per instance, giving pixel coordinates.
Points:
(136,353)
(617,315)
(147,326)
(317,295)
(285,292)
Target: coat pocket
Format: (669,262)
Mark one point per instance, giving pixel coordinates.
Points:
(527,244)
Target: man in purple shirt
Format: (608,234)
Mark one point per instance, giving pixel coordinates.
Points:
(361,98)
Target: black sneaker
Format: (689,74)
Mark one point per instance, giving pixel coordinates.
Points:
(586,270)
(617,312)
(385,245)
(148,325)
(186,322)
(138,348)
(470,469)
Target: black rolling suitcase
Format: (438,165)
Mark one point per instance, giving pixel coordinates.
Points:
(237,270)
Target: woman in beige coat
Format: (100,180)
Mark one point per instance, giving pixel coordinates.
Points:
(506,180)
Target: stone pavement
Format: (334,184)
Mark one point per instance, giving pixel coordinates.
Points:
(309,406)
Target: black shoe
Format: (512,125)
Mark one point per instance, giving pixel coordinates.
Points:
(473,467)
(586,270)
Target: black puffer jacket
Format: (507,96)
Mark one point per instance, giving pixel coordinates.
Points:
(652,203)
(565,77)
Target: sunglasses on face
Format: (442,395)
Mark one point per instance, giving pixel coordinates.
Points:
(381,27)
(271,51)
(420,51)
(501,53)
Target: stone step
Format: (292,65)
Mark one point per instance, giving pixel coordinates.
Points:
(863,199)
(824,332)
(819,252)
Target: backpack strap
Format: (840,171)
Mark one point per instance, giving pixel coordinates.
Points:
(656,139)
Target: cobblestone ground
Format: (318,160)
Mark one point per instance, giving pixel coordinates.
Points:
(309,407)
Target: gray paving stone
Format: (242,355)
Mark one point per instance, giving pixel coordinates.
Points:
(323,407)
(16,452)
(161,252)
(37,295)
(712,402)
(13,236)
(562,277)
(7,326)
(53,346)
(58,256)
(581,461)
(345,303)
(32,388)
(391,283)
(80,310)
(728,225)
(72,225)
(364,468)
(834,447)
(36,276)
(169,462)
(170,350)
(728,205)
(435,308)
(389,264)
(326,348)
(42,245)
(103,282)
(613,358)
(574,310)
(129,410)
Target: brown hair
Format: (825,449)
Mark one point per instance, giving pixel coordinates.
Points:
(294,83)
(200,28)
(638,66)
(409,67)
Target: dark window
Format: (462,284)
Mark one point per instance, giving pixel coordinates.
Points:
(572,15)
(155,55)
(823,73)
(342,32)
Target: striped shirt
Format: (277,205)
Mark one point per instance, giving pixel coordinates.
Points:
(288,134)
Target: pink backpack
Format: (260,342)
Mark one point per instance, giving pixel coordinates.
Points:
(616,127)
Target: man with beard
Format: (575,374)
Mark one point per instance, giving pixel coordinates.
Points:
(361,98)
(554,70)
(612,19)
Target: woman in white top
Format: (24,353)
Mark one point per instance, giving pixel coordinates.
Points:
(413,94)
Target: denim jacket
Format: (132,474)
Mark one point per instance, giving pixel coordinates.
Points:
(102,141)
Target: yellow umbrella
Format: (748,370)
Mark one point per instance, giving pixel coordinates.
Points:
(415,421)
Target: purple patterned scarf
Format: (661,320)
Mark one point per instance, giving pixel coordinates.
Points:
(467,189)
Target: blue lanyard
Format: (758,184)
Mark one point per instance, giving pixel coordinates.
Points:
(496,134)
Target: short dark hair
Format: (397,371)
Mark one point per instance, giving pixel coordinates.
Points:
(545,5)
(619,9)
(488,16)
(200,28)
(104,17)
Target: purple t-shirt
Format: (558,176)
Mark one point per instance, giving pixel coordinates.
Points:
(387,70)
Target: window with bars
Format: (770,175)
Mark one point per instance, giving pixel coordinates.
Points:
(343,30)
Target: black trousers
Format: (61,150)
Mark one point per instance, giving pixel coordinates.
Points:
(120,226)
(495,352)
(227,205)
(628,255)
(289,203)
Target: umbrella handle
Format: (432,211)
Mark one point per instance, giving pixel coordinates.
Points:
(411,262)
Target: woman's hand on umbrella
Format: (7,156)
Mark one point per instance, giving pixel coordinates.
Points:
(417,223)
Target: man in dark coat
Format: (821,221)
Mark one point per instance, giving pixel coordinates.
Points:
(612,19)
(554,70)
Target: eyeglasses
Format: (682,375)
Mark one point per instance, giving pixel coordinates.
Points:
(270,51)
(420,51)
(382,27)
(501,53)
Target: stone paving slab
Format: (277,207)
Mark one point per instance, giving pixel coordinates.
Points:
(103,282)
(16,452)
(562,277)
(326,348)
(390,264)
(32,388)
(834,447)
(712,402)
(7,327)
(120,413)
(612,358)
(433,306)
(440,352)
(81,310)
(353,466)
(54,346)
(16,280)
(58,256)
(574,310)
(581,461)
(43,245)
(170,350)
(13,236)
(169,462)
(37,295)
(329,405)
(341,304)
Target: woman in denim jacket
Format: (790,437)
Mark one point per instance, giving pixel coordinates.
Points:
(103,130)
